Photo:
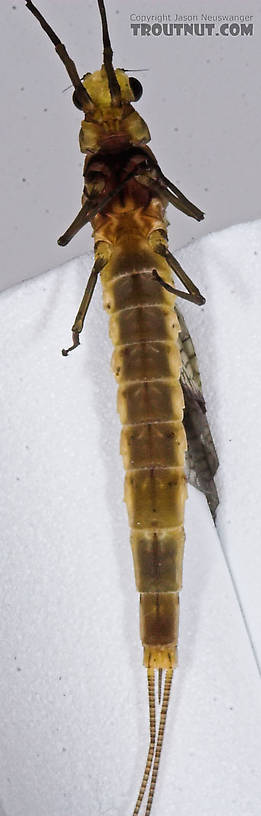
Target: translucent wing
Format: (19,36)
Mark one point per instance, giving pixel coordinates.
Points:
(201,457)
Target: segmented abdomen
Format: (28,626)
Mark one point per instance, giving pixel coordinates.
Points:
(146,362)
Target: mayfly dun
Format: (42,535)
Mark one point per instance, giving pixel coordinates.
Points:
(165,436)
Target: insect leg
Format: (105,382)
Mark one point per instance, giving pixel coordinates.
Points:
(196,297)
(82,218)
(193,293)
(81,314)
(87,212)
(159,244)
(192,210)
(180,202)
(62,53)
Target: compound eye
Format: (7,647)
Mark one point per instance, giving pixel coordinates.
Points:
(136,88)
(76,101)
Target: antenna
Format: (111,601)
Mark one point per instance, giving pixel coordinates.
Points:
(114,87)
(62,53)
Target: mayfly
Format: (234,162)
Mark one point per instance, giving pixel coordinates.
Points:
(160,399)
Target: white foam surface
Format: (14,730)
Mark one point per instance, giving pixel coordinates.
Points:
(72,687)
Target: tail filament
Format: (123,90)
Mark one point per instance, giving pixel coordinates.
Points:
(154,753)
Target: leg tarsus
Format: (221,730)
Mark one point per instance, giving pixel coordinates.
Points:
(81,314)
(196,296)
(198,299)
(193,294)
(76,342)
(82,218)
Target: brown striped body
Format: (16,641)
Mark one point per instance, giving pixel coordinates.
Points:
(146,363)
(125,196)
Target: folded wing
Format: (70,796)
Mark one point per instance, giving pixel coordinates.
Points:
(201,458)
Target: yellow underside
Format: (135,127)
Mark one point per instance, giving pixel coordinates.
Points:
(160,657)
(144,330)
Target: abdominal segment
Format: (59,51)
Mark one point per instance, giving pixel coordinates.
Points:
(146,362)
